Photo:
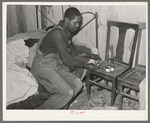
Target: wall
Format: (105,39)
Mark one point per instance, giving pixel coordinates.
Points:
(23,19)
(131,14)
(20,18)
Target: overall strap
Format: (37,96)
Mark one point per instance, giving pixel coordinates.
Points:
(41,40)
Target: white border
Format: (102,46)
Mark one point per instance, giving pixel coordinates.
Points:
(75,3)
(64,115)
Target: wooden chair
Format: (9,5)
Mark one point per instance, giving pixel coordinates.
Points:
(133,77)
(119,65)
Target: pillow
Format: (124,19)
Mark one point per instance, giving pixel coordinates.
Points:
(17,53)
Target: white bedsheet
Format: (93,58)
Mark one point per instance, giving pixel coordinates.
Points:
(20,83)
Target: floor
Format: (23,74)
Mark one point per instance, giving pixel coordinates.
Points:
(100,99)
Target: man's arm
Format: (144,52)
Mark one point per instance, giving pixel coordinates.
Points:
(77,53)
(65,55)
(74,51)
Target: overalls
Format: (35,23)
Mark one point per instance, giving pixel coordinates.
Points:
(50,72)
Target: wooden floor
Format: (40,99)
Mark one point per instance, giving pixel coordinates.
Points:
(100,99)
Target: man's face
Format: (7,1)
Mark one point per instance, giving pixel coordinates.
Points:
(74,24)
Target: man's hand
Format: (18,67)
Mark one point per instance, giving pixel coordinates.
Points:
(92,56)
(91,67)
(95,57)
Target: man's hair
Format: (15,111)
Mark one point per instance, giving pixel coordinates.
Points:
(71,13)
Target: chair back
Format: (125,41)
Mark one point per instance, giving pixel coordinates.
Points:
(121,42)
(142,26)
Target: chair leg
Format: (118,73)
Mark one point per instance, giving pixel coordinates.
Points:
(106,82)
(87,84)
(113,92)
(120,89)
(112,95)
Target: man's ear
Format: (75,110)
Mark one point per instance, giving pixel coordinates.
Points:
(66,20)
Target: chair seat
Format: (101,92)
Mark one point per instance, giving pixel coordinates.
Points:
(131,79)
(119,68)
(134,76)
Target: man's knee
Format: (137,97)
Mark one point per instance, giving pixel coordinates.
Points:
(71,94)
(68,94)
(79,84)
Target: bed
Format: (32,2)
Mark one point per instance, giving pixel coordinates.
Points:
(22,89)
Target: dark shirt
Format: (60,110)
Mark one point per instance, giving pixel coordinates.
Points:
(59,40)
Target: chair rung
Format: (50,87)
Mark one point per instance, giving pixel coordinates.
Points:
(130,96)
(100,85)
(98,79)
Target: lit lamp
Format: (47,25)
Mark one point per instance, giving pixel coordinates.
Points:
(109,65)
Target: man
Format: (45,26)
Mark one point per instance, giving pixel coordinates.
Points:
(57,59)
